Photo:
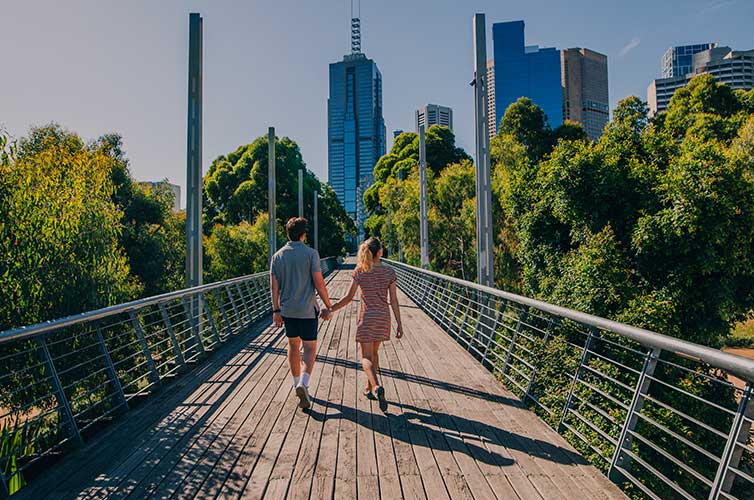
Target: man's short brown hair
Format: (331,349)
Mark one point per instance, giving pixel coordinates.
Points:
(295,227)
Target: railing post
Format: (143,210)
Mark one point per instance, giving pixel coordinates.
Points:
(426,290)
(254,299)
(239,321)
(210,319)
(62,399)
(244,305)
(637,402)
(264,299)
(195,326)
(226,320)
(738,436)
(493,334)
(454,315)
(509,355)
(584,359)
(177,352)
(533,374)
(111,371)
(483,301)
(154,375)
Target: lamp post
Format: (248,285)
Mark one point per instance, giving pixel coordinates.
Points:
(271,190)
(423,230)
(483,187)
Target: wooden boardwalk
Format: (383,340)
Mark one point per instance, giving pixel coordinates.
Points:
(230,428)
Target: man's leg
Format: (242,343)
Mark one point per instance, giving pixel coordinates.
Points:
(294,358)
(310,355)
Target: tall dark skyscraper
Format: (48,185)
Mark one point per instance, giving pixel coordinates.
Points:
(525,71)
(585,90)
(355,126)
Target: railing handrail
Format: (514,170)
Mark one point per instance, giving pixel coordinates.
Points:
(733,363)
(74,319)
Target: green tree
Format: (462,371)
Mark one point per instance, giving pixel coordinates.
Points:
(153,236)
(238,250)
(402,162)
(236,190)
(59,230)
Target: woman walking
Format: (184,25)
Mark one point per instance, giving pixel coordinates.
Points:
(373,328)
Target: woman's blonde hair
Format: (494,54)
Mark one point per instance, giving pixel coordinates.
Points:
(367,253)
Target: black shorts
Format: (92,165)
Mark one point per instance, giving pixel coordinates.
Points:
(305,328)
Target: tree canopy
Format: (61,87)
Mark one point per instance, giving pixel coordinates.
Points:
(236,191)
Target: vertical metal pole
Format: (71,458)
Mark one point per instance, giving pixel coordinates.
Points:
(60,396)
(739,436)
(173,339)
(316,221)
(194,322)
(582,362)
(483,186)
(154,375)
(637,401)
(111,372)
(301,192)
(423,230)
(210,319)
(194,156)
(271,190)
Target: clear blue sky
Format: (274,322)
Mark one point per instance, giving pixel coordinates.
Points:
(101,66)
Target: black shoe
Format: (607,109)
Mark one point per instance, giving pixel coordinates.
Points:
(381,398)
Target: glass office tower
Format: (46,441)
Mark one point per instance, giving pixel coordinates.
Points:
(355,130)
(678,61)
(522,71)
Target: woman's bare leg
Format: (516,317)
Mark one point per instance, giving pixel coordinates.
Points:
(367,354)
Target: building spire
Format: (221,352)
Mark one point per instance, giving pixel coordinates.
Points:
(355,27)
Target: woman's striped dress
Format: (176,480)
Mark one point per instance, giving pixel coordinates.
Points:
(374,314)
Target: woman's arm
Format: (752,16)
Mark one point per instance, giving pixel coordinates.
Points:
(348,298)
(396,309)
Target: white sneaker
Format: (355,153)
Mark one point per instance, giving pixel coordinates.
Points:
(304,400)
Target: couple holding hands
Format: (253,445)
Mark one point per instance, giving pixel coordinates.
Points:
(295,276)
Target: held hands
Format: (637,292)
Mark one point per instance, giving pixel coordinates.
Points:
(277,320)
(325,314)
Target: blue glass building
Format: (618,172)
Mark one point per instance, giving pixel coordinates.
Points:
(355,130)
(679,61)
(522,71)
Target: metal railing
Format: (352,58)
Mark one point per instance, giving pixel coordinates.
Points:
(61,380)
(661,417)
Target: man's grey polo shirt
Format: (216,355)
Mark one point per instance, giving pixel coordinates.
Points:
(293,266)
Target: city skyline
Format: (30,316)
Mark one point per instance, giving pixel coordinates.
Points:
(79,68)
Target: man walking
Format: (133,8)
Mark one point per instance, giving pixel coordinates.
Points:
(295,274)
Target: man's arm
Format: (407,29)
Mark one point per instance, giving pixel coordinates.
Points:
(277,318)
(319,284)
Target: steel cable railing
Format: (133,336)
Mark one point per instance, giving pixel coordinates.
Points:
(662,417)
(62,380)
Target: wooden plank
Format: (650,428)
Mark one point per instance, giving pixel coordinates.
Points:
(143,459)
(575,480)
(72,477)
(183,458)
(345,467)
(261,480)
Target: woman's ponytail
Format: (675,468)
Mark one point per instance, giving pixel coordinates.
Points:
(367,252)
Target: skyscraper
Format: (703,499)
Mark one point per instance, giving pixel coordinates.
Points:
(585,90)
(733,67)
(355,126)
(433,114)
(522,71)
(678,61)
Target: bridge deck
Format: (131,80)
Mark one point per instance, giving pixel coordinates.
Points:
(231,428)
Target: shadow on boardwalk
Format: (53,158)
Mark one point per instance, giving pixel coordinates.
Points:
(447,432)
